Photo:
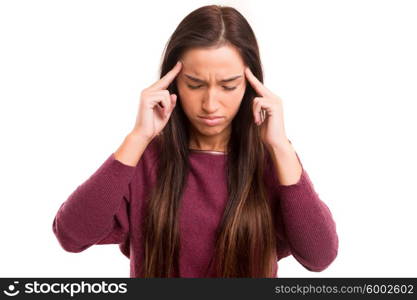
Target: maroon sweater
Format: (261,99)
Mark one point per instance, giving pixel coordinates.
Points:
(108,208)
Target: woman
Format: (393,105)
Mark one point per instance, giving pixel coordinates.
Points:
(207,184)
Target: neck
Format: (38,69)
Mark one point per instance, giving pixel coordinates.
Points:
(209,143)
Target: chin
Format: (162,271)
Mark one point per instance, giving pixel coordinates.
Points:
(209,130)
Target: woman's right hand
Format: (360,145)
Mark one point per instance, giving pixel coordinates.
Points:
(156,106)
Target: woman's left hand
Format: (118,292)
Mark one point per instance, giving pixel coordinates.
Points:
(272,118)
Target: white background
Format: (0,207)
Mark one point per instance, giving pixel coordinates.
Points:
(70,77)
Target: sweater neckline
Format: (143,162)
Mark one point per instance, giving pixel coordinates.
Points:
(197,151)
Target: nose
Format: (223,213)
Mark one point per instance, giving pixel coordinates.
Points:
(210,103)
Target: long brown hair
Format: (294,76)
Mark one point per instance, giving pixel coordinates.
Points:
(246,244)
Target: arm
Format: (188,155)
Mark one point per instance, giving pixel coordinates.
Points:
(96,212)
(307,221)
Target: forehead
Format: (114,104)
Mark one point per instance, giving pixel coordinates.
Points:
(221,61)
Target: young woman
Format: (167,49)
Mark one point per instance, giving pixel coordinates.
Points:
(206,184)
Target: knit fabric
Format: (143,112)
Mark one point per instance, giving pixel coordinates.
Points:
(108,208)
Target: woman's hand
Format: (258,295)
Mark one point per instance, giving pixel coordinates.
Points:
(268,113)
(156,106)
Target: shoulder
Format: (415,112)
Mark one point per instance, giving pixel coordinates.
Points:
(152,150)
(149,159)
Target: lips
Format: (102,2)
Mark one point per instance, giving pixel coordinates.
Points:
(211,121)
(211,118)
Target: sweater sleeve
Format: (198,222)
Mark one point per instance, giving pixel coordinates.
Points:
(308,224)
(97,211)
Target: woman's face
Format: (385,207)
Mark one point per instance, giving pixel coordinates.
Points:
(211,84)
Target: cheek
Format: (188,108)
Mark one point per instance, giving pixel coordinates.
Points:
(235,102)
(238,97)
(186,99)
(183,93)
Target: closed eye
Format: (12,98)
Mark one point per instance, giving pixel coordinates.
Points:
(198,86)
(194,86)
(229,88)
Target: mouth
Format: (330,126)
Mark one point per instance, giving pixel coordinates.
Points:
(211,121)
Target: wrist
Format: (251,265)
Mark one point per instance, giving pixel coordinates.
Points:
(280,146)
(137,136)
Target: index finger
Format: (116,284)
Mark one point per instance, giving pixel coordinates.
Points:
(166,80)
(255,83)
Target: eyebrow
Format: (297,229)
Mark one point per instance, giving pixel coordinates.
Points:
(202,81)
